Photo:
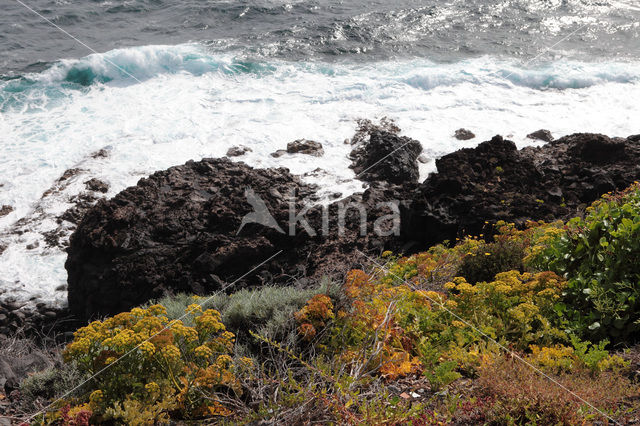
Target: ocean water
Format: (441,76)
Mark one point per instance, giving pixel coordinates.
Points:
(173,81)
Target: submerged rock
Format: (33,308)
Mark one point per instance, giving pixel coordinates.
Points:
(101,153)
(237,151)
(279,153)
(304,146)
(5,210)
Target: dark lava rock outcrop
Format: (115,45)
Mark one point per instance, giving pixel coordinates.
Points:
(97,185)
(464,134)
(197,227)
(5,210)
(176,232)
(542,134)
(387,157)
(496,181)
(237,151)
(305,146)
(193,228)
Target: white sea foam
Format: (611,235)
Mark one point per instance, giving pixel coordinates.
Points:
(191,105)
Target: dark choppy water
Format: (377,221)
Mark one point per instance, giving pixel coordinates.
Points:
(324,30)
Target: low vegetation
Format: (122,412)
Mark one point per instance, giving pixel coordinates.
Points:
(536,326)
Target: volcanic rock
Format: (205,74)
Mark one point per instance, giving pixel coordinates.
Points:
(97,185)
(464,134)
(16,368)
(209,225)
(237,151)
(496,181)
(542,134)
(386,157)
(423,159)
(304,146)
(5,210)
(201,226)
(101,153)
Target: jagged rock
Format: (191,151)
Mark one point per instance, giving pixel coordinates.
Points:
(97,185)
(62,182)
(5,210)
(101,153)
(175,232)
(464,134)
(190,229)
(497,181)
(15,369)
(279,153)
(386,157)
(304,146)
(237,151)
(542,134)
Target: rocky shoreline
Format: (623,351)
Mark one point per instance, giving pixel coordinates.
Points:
(198,227)
(178,230)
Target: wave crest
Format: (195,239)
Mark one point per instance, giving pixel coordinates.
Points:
(136,64)
(557,75)
(145,62)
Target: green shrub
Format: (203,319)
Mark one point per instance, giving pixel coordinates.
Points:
(267,311)
(515,308)
(600,257)
(50,383)
(491,259)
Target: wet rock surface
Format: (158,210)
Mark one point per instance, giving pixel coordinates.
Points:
(237,151)
(304,146)
(386,157)
(97,185)
(542,134)
(5,210)
(279,153)
(463,134)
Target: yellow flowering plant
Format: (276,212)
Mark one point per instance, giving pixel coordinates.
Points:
(519,308)
(436,332)
(141,357)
